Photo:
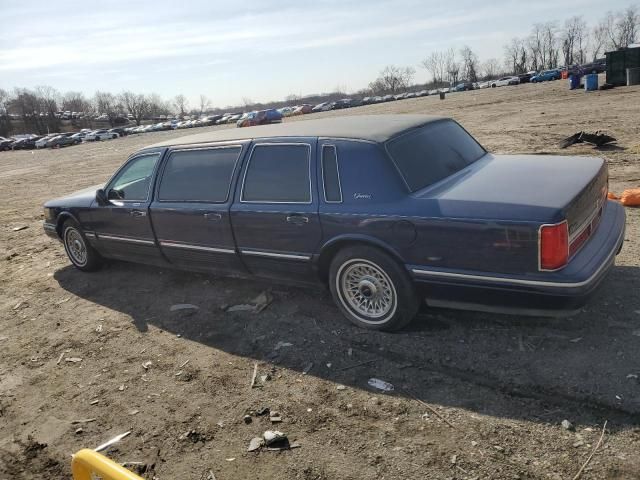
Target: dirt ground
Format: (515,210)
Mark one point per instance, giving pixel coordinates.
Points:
(477,396)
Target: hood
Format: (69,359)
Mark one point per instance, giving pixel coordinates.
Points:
(81,198)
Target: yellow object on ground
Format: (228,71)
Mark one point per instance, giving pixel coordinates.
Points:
(86,462)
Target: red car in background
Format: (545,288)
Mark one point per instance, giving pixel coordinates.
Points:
(261,117)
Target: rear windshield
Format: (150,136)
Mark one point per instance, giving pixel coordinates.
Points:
(433,152)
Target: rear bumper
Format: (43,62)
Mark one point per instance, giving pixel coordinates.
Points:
(536,293)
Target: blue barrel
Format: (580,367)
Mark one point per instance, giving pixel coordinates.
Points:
(591,82)
(574,81)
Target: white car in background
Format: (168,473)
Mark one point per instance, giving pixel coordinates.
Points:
(98,135)
(42,143)
(505,81)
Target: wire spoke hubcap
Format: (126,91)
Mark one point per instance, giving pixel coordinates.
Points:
(76,247)
(367,289)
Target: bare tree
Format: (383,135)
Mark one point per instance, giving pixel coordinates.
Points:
(599,36)
(136,104)
(5,121)
(572,40)
(29,106)
(158,106)
(247,102)
(435,64)
(491,68)
(512,54)
(392,79)
(536,50)
(181,104)
(452,66)
(74,102)
(108,104)
(621,27)
(48,98)
(550,45)
(470,64)
(205,103)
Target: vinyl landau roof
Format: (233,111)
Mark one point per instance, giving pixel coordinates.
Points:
(375,128)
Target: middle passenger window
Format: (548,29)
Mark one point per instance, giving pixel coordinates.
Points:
(198,175)
(278,173)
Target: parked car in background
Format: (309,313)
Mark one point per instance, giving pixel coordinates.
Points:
(599,66)
(342,103)
(302,109)
(63,140)
(464,86)
(546,75)
(6,143)
(234,118)
(79,136)
(322,107)
(505,81)
(526,77)
(98,135)
(28,143)
(386,210)
(262,117)
(122,132)
(42,142)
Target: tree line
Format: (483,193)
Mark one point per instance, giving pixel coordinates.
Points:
(548,45)
(38,109)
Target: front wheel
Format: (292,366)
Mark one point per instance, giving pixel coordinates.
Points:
(371,289)
(83,256)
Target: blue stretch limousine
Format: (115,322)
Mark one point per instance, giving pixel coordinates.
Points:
(387,210)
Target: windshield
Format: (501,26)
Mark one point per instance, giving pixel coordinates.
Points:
(438,150)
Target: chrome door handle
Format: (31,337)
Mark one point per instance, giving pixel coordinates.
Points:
(138,213)
(297,219)
(213,216)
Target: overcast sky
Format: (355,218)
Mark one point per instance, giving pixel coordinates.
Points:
(262,49)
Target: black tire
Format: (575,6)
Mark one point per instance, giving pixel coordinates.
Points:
(381,279)
(75,242)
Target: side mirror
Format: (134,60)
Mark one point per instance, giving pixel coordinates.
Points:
(101,197)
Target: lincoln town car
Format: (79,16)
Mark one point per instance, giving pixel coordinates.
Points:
(390,212)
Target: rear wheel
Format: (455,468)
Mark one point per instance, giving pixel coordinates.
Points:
(371,289)
(83,256)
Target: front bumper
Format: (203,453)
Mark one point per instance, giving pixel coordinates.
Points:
(51,230)
(536,293)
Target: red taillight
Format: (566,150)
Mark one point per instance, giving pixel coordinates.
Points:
(554,246)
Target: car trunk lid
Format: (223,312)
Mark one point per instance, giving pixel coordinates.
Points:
(528,188)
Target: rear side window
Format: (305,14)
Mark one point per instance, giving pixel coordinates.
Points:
(433,152)
(278,173)
(198,175)
(330,175)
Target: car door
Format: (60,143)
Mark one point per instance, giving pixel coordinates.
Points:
(275,213)
(190,211)
(122,226)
